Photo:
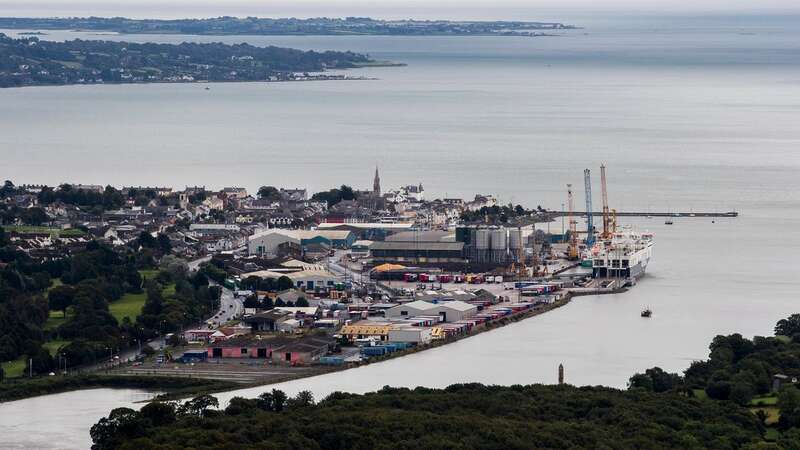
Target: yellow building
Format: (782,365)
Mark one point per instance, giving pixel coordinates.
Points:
(366,329)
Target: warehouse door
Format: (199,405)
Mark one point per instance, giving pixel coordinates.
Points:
(217,353)
(443,316)
(261,353)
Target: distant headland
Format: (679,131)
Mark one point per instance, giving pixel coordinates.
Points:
(289,26)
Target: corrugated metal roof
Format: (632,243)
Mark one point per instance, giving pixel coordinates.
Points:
(434,246)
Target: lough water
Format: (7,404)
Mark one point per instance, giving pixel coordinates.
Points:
(690,115)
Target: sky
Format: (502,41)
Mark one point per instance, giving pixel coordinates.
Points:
(554,10)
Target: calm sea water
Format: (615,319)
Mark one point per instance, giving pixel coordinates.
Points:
(687,115)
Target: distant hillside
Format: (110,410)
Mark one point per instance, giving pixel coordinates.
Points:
(32,62)
(289,26)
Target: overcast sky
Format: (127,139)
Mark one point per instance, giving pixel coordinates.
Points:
(455,9)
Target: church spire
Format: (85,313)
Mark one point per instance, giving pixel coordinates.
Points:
(376,184)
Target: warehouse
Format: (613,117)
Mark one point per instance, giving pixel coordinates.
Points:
(267,243)
(451,311)
(411,309)
(416,335)
(418,252)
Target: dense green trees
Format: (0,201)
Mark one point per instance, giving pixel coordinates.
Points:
(269,193)
(110,198)
(460,416)
(61,297)
(737,369)
(789,327)
(335,195)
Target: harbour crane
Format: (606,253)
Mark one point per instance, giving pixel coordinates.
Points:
(572,250)
(606,218)
(587,181)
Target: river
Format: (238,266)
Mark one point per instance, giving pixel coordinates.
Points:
(700,118)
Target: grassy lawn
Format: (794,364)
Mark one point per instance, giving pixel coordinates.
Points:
(773,414)
(700,394)
(55,320)
(52,231)
(14,368)
(130,305)
(54,345)
(56,282)
(770,400)
(772,434)
(148,274)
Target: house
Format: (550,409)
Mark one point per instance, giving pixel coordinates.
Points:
(234,192)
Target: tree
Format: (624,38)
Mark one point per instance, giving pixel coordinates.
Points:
(789,406)
(164,244)
(284,283)
(656,380)
(278,400)
(198,405)
(252,302)
(789,326)
(301,302)
(2,374)
(159,413)
(303,398)
(269,193)
(120,425)
(61,298)
(40,363)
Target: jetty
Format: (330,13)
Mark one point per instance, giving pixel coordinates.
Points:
(650,214)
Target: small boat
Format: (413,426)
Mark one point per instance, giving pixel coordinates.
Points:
(208,88)
(668,222)
(647,313)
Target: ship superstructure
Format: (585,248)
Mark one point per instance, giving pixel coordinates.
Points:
(625,255)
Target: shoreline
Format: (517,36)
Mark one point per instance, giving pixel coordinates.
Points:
(203,82)
(500,323)
(187,386)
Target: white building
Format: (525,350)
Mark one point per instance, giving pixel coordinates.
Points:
(411,309)
(416,335)
(451,311)
(266,243)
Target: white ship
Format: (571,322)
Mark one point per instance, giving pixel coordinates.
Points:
(625,255)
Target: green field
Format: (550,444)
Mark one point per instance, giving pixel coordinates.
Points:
(55,320)
(130,305)
(768,400)
(54,345)
(14,368)
(52,231)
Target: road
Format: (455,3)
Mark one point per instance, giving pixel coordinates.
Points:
(230,308)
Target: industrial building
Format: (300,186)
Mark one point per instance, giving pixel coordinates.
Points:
(268,243)
(451,311)
(493,245)
(417,252)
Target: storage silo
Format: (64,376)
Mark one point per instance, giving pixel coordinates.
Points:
(514,238)
(498,239)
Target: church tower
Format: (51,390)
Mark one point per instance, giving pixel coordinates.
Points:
(376,184)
